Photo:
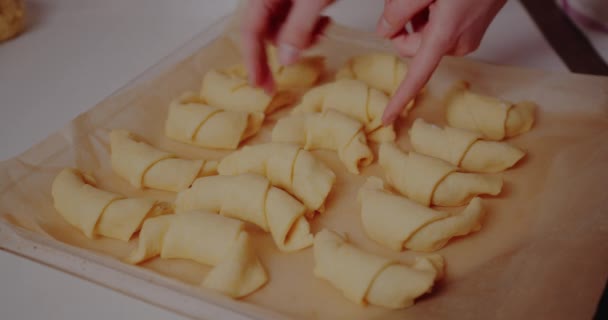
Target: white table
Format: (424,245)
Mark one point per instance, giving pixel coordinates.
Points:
(79,51)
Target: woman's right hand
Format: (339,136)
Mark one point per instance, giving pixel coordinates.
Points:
(441,27)
(292,25)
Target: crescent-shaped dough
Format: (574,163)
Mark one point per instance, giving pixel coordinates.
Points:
(231,92)
(378,70)
(190,121)
(287,166)
(428,180)
(463,148)
(251,197)
(300,75)
(145,166)
(207,239)
(493,118)
(95,211)
(367,278)
(354,98)
(399,223)
(328,130)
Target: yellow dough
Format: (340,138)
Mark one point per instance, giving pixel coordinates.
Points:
(379,70)
(145,166)
(328,130)
(428,180)
(463,148)
(190,121)
(95,211)
(251,197)
(494,119)
(12,18)
(399,223)
(207,239)
(230,92)
(287,166)
(302,74)
(353,98)
(365,278)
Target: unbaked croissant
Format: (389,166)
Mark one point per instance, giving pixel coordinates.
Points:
(379,70)
(251,197)
(494,119)
(399,223)
(328,130)
(367,278)
(428,180)
(463,148)
(145,166)
(193,122)
(207,239)
(287,166)
(354,98)
(95,211)
(228,91)
(302,74)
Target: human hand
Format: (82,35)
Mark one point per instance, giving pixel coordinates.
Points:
(293,25)
(440,27)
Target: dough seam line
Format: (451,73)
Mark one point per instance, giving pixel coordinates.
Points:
(464,154)
(198,128)
(103,210)
(367,111)
(143,174)
(376,275)
(439,182)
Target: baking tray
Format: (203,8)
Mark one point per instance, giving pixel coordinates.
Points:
(549,224)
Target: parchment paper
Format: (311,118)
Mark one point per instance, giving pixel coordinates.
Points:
(542,251)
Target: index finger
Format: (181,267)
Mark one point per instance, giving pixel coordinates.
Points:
(432,48)
(254,31)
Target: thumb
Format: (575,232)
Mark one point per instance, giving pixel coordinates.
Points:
(298,31)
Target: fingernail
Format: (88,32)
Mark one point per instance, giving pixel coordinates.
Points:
(288,54)
(383,28)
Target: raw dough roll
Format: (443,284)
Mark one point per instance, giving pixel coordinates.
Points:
(145,166)
(300,75)
(399,223)
(379,70)
(494,119)
(328,130)
(207,239)
(95,211)
(251,197)
(287,166)
(463,148)
(354,98)
(428,180)
(190,121)
(366,278)
(231,92)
